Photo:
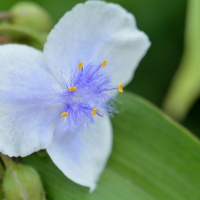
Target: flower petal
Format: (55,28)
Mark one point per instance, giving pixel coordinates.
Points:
(93,32)
(25,87)
(82,156)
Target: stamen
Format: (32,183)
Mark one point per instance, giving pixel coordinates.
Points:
(104,63)
(102,116)
(120,87)
(94,111)
(80,66)
(64,114)
(72,89)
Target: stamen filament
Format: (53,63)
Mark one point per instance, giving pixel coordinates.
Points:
(72,89)
(120,87)
(102,65)
(80,66)
(94,111)
(64,114)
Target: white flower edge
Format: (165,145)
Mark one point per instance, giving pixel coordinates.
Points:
(26,124)
(103,31)
(93,32)
(82,156)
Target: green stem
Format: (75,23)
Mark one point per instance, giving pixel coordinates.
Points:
(37,39)
(5,40)
(185,87)
(8,162)
(5,15)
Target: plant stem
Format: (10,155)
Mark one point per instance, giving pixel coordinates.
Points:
(5,15)
(185,87)
(37,39)
(6,160)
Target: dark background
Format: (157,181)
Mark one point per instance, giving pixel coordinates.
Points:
(163,21)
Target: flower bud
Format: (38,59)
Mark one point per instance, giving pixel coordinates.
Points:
(31,15)
(21,182)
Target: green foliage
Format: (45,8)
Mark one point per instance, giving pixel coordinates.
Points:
(153,158)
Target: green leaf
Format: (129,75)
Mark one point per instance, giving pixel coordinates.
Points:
(153,158)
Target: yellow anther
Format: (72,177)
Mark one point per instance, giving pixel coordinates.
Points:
(64,114)
(94,111)
(72,89)
(104,63)
(120,87)
(102,116)
(80,66)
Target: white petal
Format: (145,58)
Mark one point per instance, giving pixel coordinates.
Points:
(82,156)
(25,88)
(93,32)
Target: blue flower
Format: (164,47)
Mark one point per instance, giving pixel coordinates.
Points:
(61,99)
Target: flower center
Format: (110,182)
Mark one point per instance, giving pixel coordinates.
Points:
(88,93)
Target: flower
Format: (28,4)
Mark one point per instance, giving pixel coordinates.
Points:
(60,99)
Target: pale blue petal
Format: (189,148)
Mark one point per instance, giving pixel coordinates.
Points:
(93,32)
(82,156)
(27,121)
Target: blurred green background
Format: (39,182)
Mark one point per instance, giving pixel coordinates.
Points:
(163,22)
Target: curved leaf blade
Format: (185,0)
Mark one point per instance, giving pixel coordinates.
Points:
(153,158)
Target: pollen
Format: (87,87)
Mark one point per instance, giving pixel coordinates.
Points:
(120,87)
(80,66)
(64,114)
(104,63)
(94,111)
(72,89)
